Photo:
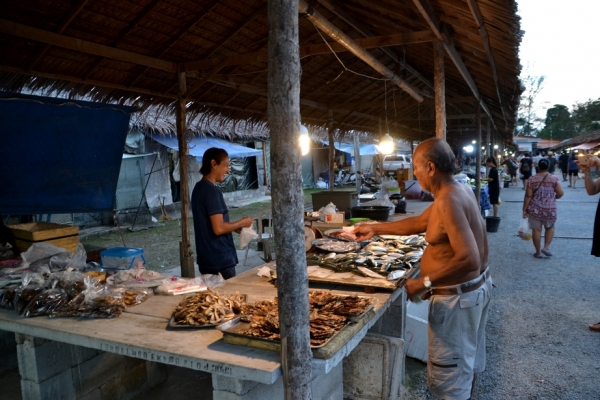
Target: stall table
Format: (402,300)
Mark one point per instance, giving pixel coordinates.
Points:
(238,372)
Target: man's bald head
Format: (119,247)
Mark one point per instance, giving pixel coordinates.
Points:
(438,152)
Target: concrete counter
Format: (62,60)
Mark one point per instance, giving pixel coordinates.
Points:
(140,333)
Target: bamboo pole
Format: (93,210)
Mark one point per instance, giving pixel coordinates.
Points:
(288,200)
(330,129)
(357,164)
(478,156)
(185,249)
(440,90)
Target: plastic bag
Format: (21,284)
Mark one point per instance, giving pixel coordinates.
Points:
(525,230)
(46,302)
(246,235)
(132,297)
(176,285)
(213,281)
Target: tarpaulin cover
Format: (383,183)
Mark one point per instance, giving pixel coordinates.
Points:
(198,146)
(59,155)
(364,150)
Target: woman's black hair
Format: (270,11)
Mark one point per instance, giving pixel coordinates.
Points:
(214,153)
(543,164)
(491,160)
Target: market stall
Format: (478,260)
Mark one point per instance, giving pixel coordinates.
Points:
(140,332)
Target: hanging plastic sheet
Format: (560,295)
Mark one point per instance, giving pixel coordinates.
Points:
(59,155)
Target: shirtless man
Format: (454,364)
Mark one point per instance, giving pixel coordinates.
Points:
(454,272)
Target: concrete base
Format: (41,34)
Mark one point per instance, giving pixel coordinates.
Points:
(324,387)
(53,370)
(375,369)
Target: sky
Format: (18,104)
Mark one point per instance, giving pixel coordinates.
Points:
(561,42)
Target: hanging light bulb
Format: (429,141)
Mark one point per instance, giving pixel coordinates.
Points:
(304,140)
(386,144)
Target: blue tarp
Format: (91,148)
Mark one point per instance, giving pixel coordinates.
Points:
(364,150)
(198,146)
(59,155)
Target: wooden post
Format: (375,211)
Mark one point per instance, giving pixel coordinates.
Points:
(357,165)
(489,146)
(185,249)
(288,199)
(440,89)
(478,156)
(330,129)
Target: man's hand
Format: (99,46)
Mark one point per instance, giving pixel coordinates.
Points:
(246,222)
(414,289)
(364,231)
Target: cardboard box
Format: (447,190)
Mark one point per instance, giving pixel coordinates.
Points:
(63,236)
(336,218)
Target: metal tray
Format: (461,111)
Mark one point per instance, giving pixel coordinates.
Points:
(173,326)
(232,328)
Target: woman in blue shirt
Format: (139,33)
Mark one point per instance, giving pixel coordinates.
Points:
(573,170)
(215,251)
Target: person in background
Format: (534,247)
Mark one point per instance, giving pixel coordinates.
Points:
(525,166)
(573,170)
(493,184)
(552,161)
(535,159)
(511,167)
(215,251)
(563,163)
(539,206)
(592,187)
(454,272)
(377,175)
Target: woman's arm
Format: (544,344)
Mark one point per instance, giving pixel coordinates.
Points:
(528,196)
(221,227)
(558,190)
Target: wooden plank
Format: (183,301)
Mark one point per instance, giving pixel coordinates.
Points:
(83,46)
(38,231)
(399,103)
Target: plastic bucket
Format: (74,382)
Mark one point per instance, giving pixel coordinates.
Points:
(492,223)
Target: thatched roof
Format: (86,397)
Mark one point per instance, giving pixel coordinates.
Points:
(129,51)
(590,137)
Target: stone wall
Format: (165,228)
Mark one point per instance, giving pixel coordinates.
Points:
(53,370)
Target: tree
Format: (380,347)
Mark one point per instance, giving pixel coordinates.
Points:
(586,116)
(527,121)
(559,124)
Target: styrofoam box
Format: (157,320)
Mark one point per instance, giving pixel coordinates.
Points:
(416,330)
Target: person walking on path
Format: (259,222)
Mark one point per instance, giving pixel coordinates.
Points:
(512,168)
(493,184)
(563,162)
(543,189)
(592,187)
(525,166)
(454,272)
(573,170)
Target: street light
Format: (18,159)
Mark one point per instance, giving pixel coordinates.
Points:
(386,144)
(468,149)
(304,140)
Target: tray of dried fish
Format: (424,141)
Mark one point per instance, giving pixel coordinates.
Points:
(334,245)
(329,314)
(206,310)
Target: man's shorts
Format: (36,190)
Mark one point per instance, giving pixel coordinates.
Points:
(573,172)
(535,223)
(457,340)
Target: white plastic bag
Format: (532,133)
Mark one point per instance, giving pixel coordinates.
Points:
(246,235)
(329,210)
(525,229)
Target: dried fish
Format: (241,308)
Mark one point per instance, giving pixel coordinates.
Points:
(208,308)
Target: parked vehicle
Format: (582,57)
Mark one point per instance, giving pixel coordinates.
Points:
(392,163)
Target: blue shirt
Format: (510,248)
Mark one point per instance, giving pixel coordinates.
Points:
(213,253)
(572,165)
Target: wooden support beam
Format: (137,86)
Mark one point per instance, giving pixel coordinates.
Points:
(315,49)
(439,81)
(399,103)
(478,156)
(288,199)
(476,12)
(365,31)
(68,19)
(338,35)
(330,131)
(82,46)
(442,34)
(185,247)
